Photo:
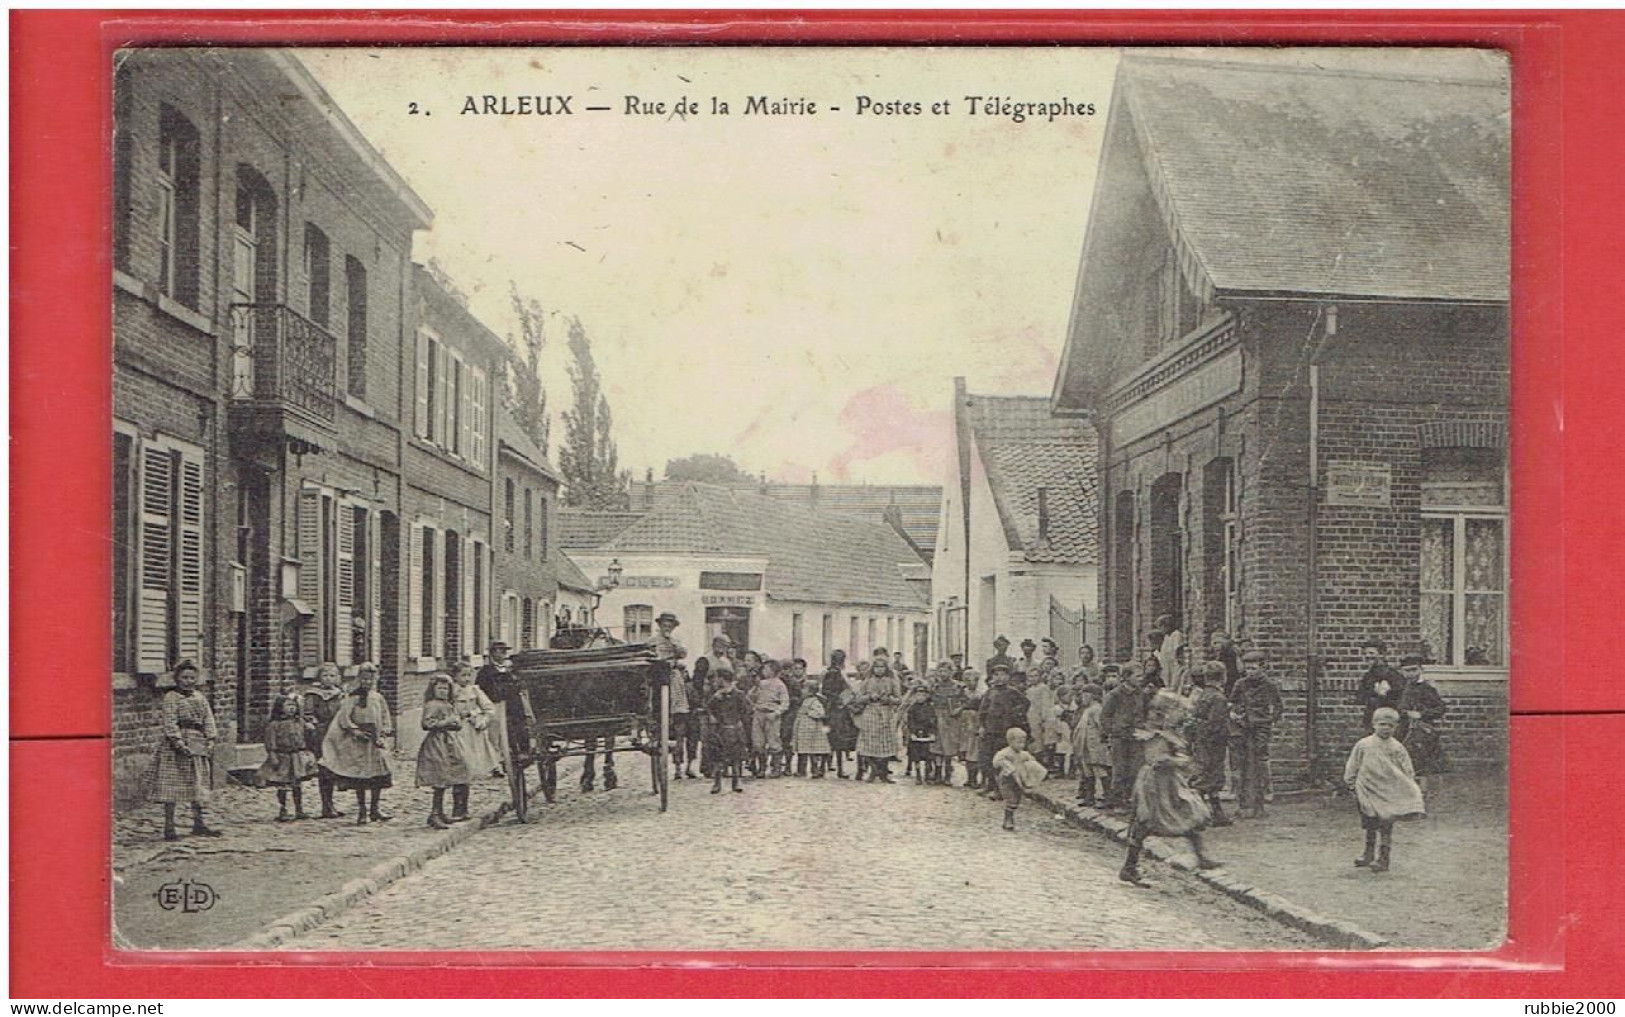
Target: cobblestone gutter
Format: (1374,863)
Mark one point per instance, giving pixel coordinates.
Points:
(1334,932)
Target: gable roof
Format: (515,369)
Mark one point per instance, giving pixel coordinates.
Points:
(582,529)
(513,438)
(917,504)
(1024,450)
(813,555)
(1292,180)
(570,575)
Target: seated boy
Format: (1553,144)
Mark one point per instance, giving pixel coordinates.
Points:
(1017,772)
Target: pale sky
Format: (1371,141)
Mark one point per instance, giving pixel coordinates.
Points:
(797,292)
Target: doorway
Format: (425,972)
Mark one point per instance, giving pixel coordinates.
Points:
(733,622)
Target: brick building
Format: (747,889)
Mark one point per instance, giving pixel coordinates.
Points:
(260,253)
(527,555)
(1290,332)
(1016,548)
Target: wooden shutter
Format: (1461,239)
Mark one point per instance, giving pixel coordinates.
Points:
(465,606)
(465,411)
(374,609)
(310,574)
(189,559)
(443,414)
(439,602)
(480,418)
(156,550)
(420,425)
(414,591)
(344,628)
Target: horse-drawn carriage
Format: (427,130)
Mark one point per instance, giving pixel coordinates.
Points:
(580,702)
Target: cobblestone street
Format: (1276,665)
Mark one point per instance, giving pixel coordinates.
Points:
(791,864)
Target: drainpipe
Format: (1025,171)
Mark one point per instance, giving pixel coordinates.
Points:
(1312,671)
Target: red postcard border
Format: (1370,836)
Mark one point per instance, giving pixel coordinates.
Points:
(1566,927)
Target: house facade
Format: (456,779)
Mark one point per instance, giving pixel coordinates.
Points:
(527,581)
(1301,403)
(261,248)
(1016,548)
(778,577)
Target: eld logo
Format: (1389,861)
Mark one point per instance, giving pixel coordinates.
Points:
(191,896)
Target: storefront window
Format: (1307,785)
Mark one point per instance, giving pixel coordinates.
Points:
(1464,557)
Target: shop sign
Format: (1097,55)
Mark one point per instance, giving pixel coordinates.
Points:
(641,582)
(718,600)
(1173,402)
(1367,485)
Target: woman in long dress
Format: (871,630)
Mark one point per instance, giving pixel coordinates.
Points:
(477,735)
(354,748)
(1422,711)
(843,728)
(876,701)
(440,758)
(183,770)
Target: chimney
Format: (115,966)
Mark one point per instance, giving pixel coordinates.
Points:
(1043,515)
(649,475)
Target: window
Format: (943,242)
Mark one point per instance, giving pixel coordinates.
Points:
(829,637)
(852,640)
(1123,573)
(157,554)
(458,426)
(355,328)
(478,641)
(530,544)
(479,400)
(428,388)
(453,401)
(541,527)
(1220,562)
(426,589)
(453,603)
(318,281)
(795,635)
(336,542)
(507,514)
(177,210)
(640,623)
(872,642)
(527,625)
(1464,557)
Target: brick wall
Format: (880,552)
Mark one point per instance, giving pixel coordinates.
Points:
(1393,374)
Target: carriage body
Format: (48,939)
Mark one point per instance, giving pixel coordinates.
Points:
(578,702)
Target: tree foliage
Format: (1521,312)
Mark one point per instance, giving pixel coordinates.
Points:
(707,468)
(523,394)
(588,457)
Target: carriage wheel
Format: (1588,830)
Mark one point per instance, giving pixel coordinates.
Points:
(517,789)
(663,757)
(547,770)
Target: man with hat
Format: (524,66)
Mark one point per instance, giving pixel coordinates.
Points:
(684,741)
(1255,707)
(1026,665)
(1000,645)
(1002,709)
(495,679)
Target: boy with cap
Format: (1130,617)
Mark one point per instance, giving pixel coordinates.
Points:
(1122,712)
(1210,735)
(1255,707)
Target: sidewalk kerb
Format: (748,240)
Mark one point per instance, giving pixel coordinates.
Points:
(1334,932)
(296,923)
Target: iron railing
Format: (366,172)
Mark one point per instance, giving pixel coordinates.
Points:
(281,356)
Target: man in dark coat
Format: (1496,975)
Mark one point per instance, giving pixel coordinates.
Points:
(1000,645)
(1382,685)
(843,730)
(1122,712)
(1255,707)
(1002,709)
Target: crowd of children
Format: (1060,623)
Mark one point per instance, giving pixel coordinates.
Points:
(1161,739)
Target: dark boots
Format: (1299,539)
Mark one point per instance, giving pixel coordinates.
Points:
(325,785)
(1370,850)
(437,811)
(1381,864)
(1009,818)
(1219,818)
(459,803)
(1130,873)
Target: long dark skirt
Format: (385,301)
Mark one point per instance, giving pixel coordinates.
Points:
(843,730)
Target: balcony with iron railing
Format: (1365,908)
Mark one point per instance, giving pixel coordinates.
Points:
(284,373)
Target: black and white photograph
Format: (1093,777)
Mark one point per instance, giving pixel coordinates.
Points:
(737,498)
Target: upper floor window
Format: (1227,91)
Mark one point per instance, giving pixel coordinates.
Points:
(1464,557)
(530,545)
(507,514)
(453,401)
(178,207)
(355,331)
(318,282)
(640,620)
(541,526)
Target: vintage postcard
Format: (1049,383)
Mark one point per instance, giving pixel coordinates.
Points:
(693,499)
